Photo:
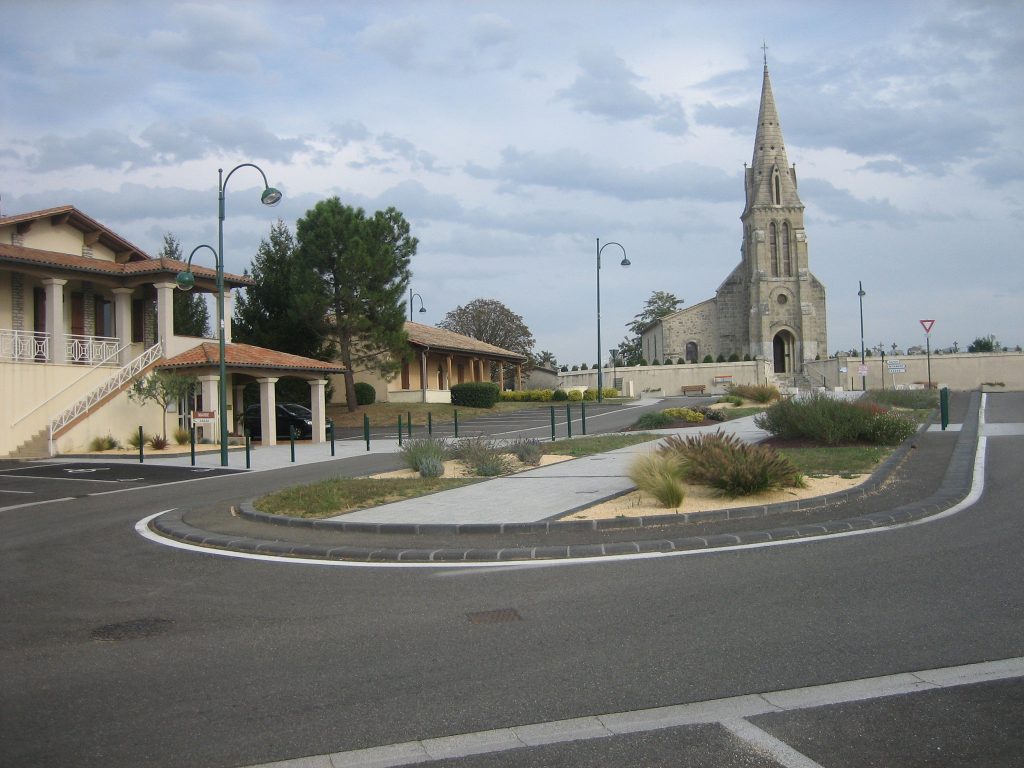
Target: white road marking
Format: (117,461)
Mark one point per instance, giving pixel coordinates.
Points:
(731,713)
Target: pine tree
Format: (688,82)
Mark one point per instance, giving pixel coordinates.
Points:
(191,314)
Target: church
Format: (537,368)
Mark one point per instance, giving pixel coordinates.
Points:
(770,306)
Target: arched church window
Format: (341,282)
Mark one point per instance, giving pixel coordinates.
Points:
(776,187)
(773,246)
(787,260)
(691,351)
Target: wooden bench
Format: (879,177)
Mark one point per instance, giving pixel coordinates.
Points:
(693,389)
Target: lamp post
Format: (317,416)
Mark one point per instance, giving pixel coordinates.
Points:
(600,365)
(411,297)
(860,298)
(185,280)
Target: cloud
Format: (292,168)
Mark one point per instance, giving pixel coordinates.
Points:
(103,148)
(842,205)
(211,38)
(608,89)
(570,169)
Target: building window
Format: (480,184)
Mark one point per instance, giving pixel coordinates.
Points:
(787,261)
(776,187)
(405,375)
(773,244)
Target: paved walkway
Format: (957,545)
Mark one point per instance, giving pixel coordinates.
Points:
(537,494)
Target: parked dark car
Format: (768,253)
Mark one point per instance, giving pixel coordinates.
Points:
(289,415)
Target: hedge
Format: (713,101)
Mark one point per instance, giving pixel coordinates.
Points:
(365,393)
(475,394)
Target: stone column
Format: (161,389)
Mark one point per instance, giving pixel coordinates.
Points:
(208,389)
(318,405)
(268,411)
(123,322)
(55,319)
(165,314)
(238,409)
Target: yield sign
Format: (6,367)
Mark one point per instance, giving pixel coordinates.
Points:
(927,325)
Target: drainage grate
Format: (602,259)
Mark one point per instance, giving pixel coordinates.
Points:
(494,617)
(136,629)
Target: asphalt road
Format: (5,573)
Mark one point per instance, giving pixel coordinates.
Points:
(119,652)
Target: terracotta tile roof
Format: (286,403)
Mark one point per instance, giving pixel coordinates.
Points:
(16,254)
(207,354)
(126,251)
(439,338)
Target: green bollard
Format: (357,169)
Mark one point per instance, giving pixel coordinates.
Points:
(248,450)
(141,438)
(192,442)
(430,424)
(944,407)
(552,423)
(583,415)
(568,419)
(330,426)
(456,415)
(408,425)
(366,430)
(399,430)
(291,440)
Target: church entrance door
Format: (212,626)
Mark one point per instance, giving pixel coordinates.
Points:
(782,352)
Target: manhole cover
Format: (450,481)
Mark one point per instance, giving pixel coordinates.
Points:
(494,617)
(136,629)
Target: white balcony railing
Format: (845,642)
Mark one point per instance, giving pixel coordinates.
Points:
(24,345)
(95,350)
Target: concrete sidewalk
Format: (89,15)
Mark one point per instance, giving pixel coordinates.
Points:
(537,494)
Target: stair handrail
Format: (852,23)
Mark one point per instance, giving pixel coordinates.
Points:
(60,392)
(126,373)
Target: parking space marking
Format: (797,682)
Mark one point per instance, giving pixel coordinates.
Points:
(730,713)
(767,744)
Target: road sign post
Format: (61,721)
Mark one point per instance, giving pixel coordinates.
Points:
(927,325)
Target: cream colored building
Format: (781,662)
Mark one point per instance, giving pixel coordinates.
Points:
(84,313)
(771,306)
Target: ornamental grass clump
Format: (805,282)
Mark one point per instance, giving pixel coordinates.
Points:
(725,462)
(660,476)
(416,451)
(105,443)
(759,393)
(658,420)
(685,414)
(831,421)
(527,451)
(483,457)
(431,466)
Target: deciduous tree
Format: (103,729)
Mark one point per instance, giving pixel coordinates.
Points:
(163,388)
(491,321)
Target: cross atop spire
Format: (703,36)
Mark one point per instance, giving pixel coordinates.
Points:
(764,51)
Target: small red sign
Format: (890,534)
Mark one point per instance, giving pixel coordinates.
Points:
(927,325)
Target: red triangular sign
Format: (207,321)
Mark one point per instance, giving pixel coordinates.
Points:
(927,325)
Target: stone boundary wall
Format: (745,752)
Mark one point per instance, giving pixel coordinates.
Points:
(962,371)
(666,380)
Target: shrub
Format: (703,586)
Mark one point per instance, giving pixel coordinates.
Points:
(746,358)
(657,420)
(431,466)
(720,359)
(680,361)
(527,451)
(158,442)
(833,422)
(574,395)
(575,367)
(590,394)
(920,399)
(583,367)
(656,361)
(643,361)
(685,414)
(365,393)
(660,476)
(759,393)
(708,359)
(416,451)
(559,396)
(564,369)
(734,357)
(133,439)
(609,392)
(181,436)
(482,456)
(105,443)
(475,394)
(734,467)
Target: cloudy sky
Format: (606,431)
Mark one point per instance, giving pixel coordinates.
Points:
(513,134)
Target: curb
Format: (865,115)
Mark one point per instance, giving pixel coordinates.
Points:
(954,488)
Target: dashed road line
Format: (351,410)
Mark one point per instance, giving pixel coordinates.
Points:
(731,713)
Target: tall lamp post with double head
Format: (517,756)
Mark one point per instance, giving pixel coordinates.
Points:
(186,280)
(860,298)
(411,297)
(600,364)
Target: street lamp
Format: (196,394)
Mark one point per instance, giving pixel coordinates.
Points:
(600,365)
(411,297)
(186,280)
(860,298)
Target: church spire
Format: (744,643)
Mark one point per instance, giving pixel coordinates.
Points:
(772,181)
